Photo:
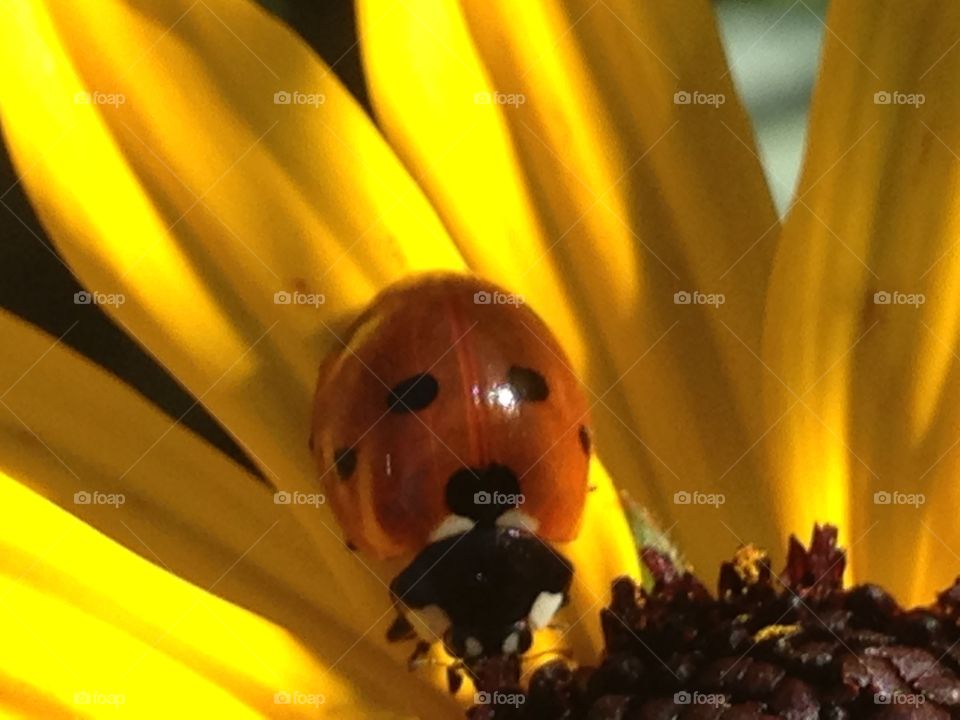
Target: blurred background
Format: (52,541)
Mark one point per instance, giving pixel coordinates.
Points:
(773,49)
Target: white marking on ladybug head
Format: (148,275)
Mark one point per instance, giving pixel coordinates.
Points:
(430,623)
(452,525)
(511,644)
(544,608)
(473,647)
(518,519)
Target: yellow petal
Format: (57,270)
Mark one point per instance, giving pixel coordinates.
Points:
(83,439)
(93,630)
(863,391)
(603,551)
(165,170)
(549,136)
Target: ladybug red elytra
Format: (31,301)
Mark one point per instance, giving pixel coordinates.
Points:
(449,429)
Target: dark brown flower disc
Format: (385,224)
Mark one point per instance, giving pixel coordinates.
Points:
(798,646)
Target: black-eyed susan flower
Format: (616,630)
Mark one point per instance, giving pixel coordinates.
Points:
(193,160)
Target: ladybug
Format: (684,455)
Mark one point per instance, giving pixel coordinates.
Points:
(451,433)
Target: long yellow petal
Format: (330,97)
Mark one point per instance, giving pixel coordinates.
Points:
(861,339)
(552,137)
(93,630)
(83,439)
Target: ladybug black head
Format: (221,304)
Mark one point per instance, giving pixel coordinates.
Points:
(492,585)
(483,494)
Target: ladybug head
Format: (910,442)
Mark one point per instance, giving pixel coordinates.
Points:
(485,591)
(483,494)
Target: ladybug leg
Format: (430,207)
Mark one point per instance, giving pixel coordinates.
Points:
(400,629)
(454,678)
(560,650)
(418,658)
(455,670)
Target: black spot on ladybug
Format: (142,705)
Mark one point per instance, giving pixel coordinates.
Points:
(414,393)
(585,439)
(350,546)
(346,461)
(529,385)
(310,443)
